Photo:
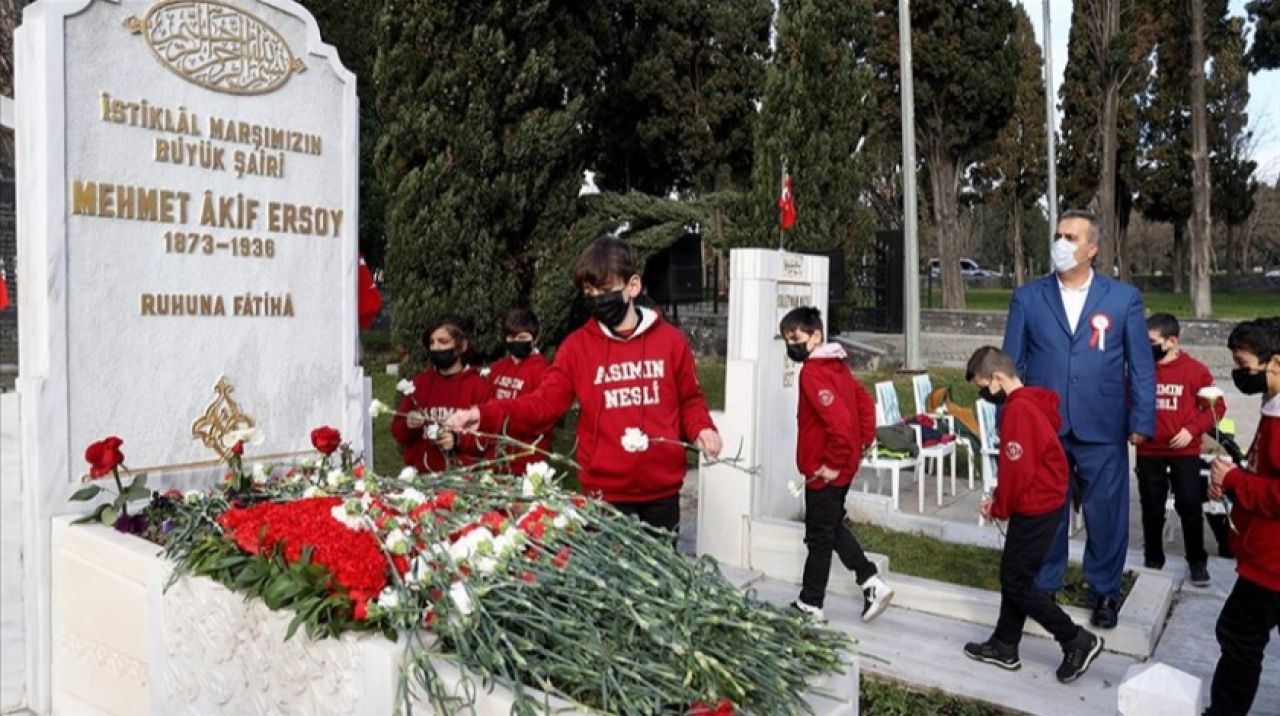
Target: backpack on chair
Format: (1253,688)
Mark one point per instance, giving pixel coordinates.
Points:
(966,420)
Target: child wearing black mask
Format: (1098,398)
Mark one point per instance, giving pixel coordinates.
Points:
(446,386)
(518,373)
(1252,612)
(634,377)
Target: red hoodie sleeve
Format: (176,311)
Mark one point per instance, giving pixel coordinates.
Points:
(400,429)
(1206,418)
(694,415)
(866,412)
(545,405)
(820,391)
(1258,489)
(1019,458)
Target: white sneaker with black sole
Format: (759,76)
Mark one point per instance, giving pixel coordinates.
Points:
(814,613)
(878,595)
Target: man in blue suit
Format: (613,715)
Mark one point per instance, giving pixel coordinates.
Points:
(1083,335)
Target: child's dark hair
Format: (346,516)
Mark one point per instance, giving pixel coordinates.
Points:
(520,320)
(608,257)
(987,361)
(1164,324)
(805,318)
(1260,337)
(458,327)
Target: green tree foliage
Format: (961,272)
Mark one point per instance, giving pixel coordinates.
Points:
(1234,185)
(1265,54)
(480,153)
(1079,100)
(965,65)
(817,106)
(679,81)
(1019,162)
(345,25)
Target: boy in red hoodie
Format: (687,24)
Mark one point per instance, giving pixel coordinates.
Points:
(520,373)
(1172,456)
(633,376)
(1252,611)
(837,421)
(1032,489)
(447,385)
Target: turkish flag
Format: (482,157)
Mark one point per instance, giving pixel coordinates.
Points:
(786,204)
(370,298)
(4,292)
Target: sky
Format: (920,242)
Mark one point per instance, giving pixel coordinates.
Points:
(1264,87)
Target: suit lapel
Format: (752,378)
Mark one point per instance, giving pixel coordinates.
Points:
(1053,297)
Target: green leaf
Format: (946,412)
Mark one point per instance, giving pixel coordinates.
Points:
(88,492)
(137,490)
(109,515)
(94,516)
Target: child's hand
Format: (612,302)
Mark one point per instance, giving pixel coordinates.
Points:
(1181,440)
(709,442)
(464,420)
(445,440)
(985,507)
(826,474)
(415,419)
(1217,476)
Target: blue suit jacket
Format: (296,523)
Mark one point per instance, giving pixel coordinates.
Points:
(1106,387)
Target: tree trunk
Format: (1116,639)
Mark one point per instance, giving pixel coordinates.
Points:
(1107,119)
(1201,224)
(1122,251)
(1019,263)
(1179,252)
(1235,257)
(942,179)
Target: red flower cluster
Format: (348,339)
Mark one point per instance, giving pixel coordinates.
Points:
(353,558)
(534,523)
(724,708)
(443,500)
(326,439)
(104,456)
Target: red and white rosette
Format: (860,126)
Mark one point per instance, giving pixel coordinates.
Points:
(1100,323)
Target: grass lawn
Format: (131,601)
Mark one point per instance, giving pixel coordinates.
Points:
(879,697)
(967,565)
(1225,305)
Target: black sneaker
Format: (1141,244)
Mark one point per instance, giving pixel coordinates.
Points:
(1106,613)
(994,652)
(1156,564)
(1078,654)
(1200,575)
(810,611)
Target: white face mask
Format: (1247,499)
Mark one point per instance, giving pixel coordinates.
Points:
(1063,254)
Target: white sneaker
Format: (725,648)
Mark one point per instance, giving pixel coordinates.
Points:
(877,595)
(814,613)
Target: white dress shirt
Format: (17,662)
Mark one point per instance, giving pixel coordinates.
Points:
(1073,300)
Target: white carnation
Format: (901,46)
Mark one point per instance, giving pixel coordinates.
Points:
(389,598)
(248,436)
(634,440)
(313,491)
(191,497)
(349,517)
(1211,393)
(405,386)
(260,474)
(410,497)
(378,408)
(795,488)
(407,474)
(398,542)
(461,598)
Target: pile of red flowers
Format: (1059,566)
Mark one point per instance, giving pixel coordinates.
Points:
(353,557)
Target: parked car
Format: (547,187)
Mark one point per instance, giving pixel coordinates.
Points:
(968,269)
(1273,273)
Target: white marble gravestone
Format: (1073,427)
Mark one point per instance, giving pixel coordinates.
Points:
(187,187)
(1156,689)
(761,396)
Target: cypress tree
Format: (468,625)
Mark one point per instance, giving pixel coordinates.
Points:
(1265,54)
(1234,185)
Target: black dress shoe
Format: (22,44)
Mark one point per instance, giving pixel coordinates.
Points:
(1106,613)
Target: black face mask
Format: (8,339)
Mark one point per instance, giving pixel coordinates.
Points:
(798,352)
(443,359)
(996,398)
(609,308)
(1158,352)
(1250,382)
(520,349)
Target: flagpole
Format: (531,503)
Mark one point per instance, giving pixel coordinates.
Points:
(1049,111)
(910,238)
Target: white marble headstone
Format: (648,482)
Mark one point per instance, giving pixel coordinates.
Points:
(187,187)
(1156,689)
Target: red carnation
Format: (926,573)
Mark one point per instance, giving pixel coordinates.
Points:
(562,557)
(445,499)
(326,439)
(724,708)
(238,448)
(528,577)
(104,456)
(494,521)
(361,610)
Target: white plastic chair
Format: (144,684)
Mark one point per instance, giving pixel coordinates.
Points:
(935,455)
(921,387)
(990,453)
(874,460)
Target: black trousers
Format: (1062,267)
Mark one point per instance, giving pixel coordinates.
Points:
(824,532)
(663,513)
(1025,546)
(1155,476)
(1244,627)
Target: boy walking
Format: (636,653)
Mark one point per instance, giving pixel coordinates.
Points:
(1031,492)
(1172,456)
(837,421)
(1252,611)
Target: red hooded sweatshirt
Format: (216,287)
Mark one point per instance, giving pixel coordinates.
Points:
(1033,467)
(510,379)
(438,397)
(1256,496)
(836,416)
(1178,406)
(644,381)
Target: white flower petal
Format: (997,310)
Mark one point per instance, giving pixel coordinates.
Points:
(461,598)
(405,386)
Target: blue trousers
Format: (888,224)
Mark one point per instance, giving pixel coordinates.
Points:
(1101,471)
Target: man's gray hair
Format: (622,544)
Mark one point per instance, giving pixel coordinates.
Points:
(1095,223)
